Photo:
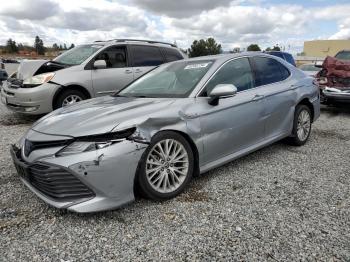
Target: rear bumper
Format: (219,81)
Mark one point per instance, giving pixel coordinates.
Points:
(33,101)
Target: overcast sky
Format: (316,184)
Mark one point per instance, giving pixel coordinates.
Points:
(235,23)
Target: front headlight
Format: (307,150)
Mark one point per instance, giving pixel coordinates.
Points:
(38,79)
(95,142)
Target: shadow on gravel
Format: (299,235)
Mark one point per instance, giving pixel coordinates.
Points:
(17,119)
(336,110)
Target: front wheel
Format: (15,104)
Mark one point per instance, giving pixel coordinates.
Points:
(301,126)
(166,166)
(69,97)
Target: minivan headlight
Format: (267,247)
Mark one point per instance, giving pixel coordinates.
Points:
(95,142)
(38,79)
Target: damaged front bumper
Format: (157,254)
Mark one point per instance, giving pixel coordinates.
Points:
(85,182)
(332,94)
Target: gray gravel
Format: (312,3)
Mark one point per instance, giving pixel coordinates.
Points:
(281,203)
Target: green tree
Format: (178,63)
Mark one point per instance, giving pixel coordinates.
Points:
(71,46)
(11,46)
(55,47)
(64,46)
(253,47)
(268,49)
(276,48)
(39,46)
(204,47)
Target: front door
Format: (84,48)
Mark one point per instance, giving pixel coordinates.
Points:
(116,75)
(236,122)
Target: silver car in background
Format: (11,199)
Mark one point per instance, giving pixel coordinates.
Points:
(179,120)
(86,71)
(310,69)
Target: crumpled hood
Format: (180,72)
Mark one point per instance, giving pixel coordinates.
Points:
(27,68)
(98,116)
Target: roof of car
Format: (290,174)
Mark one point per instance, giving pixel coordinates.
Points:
(133,41)
(228,56)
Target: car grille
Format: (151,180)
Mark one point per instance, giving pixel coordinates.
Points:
(30,146)
(54,182)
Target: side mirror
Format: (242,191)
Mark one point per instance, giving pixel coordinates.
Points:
(100,64)
(221,91)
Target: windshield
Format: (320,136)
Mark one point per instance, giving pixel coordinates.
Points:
(177,79)
(345,55)
(77,55)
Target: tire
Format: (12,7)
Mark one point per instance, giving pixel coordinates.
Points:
(166,171)
(302,120)
(66,94)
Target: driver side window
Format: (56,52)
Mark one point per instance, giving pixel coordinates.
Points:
(236,72)
(114,56)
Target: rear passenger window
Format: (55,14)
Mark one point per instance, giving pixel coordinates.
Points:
(269,71)
(172,54)
(289,59)
(146,56)
(236,72)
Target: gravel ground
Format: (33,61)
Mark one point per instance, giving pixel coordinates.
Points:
(281,203)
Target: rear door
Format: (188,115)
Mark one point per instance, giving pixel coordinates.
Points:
(116,75)
(171,54)
(275,83)
(145,58)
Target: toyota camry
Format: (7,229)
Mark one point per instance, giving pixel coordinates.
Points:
(180,120)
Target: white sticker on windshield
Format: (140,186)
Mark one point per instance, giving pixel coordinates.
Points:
(196,66)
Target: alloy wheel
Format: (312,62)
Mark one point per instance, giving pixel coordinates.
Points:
(167,166)
(304,125)
(71,99)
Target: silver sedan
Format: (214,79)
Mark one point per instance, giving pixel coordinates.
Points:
(181,119)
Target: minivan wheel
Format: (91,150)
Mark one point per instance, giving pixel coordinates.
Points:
(301,126)
(69,97)
(166,166)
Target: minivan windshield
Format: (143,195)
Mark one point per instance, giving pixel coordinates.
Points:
(177,79)
(77,55)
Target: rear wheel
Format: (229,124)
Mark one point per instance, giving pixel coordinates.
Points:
(166,166)
(69,97)
(302,125)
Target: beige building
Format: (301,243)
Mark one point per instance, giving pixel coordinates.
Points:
(323,48)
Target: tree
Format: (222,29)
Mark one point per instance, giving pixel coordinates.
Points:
(71,46)
(61,48)
(39,46)
(55,47)
(64,46)
(276,48)
(253,47)
(204,47)
(11,46)
(268,49)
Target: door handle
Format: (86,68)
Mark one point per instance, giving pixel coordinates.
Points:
(128,71)
(257,97)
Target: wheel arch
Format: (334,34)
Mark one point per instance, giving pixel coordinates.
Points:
(71,87)
(305,101)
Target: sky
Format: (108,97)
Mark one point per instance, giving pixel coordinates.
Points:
(233,23)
